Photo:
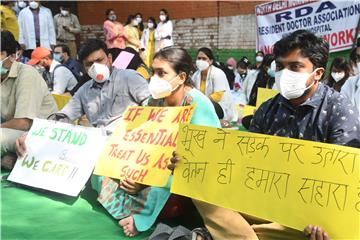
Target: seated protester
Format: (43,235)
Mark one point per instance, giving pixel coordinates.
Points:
(305,109)
(241,73)
(264,79)
(24,96)
(247,86)
(136,63)
(211,81)
(62,55)
(230,71)
(60,78)
(339,72)
(105,97)
(259,57)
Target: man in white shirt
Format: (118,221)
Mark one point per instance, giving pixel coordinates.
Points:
(61,79)
(36,28)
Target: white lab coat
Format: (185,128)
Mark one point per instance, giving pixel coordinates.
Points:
(163,30)
(145,38)
(27,28)
(216,81)
(351,89)
(245,90)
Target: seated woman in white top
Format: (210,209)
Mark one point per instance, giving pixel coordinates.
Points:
(212,81)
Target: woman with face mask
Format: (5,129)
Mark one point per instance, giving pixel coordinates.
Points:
(163,33)
(212,81)
(140,26)
(148,41)
(133,37)
(169,86)
(264,79)
(339,73)
(115,35)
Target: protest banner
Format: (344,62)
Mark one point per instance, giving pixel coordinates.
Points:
(288,181)
(61,100)
(335,21)
(264,94)
(60,157)
(249,110)
(142,144)
(123,60)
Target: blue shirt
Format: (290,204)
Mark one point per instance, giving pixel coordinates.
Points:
(74,66)
(327,116)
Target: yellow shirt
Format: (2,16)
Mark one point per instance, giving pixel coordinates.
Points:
(24,94)
(133,34)
(9,21)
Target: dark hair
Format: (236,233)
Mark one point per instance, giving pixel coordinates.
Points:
(8,43)
(141,25)
(167,14)
(268,58)
(107,12)
(64,48)
(243,63)
(90,46)
(129,19)
(153,20)
(341,64)
(354,57)
(311,46)
(261,52)
(179,59)
(210,55)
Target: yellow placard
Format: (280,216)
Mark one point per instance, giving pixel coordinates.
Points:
(264,94)
(288,181)
(142,144)
(61,100)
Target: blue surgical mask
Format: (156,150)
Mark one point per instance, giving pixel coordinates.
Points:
(3,70)
(271,72)
(58,58)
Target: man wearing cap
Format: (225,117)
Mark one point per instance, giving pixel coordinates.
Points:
(60,78)
(24,96)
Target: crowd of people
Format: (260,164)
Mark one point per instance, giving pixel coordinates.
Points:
(311,104)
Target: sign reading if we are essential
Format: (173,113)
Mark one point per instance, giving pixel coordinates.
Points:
(60,157)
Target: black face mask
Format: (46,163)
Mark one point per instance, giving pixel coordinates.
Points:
(243,75)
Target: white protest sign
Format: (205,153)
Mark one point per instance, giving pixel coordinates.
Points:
(335,21)
(60,157)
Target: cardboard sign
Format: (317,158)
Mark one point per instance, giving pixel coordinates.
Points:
(60,157)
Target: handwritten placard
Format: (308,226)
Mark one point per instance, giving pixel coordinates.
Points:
(142,144)
(264,94)
(60,157)
(288,181)
(123,60)
(61,100)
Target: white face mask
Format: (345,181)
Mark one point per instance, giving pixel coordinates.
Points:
(259,58)
(160,88)
(99,72)
(134,22)
(33,5)
(150,25)
(292,85)
(358,67)
(338,76)
(21,4)
(162,18)
(64,12)
(202,65)
(139,19)
(112,17)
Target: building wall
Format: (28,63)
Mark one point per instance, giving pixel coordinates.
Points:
(223,25)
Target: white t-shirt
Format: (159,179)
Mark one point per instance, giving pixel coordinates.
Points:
(63,78)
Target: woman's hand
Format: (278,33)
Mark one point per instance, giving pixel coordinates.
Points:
(20,146)
(315,233)
(175,158)
(131,187)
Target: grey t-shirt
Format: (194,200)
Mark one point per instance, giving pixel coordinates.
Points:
(102,103)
